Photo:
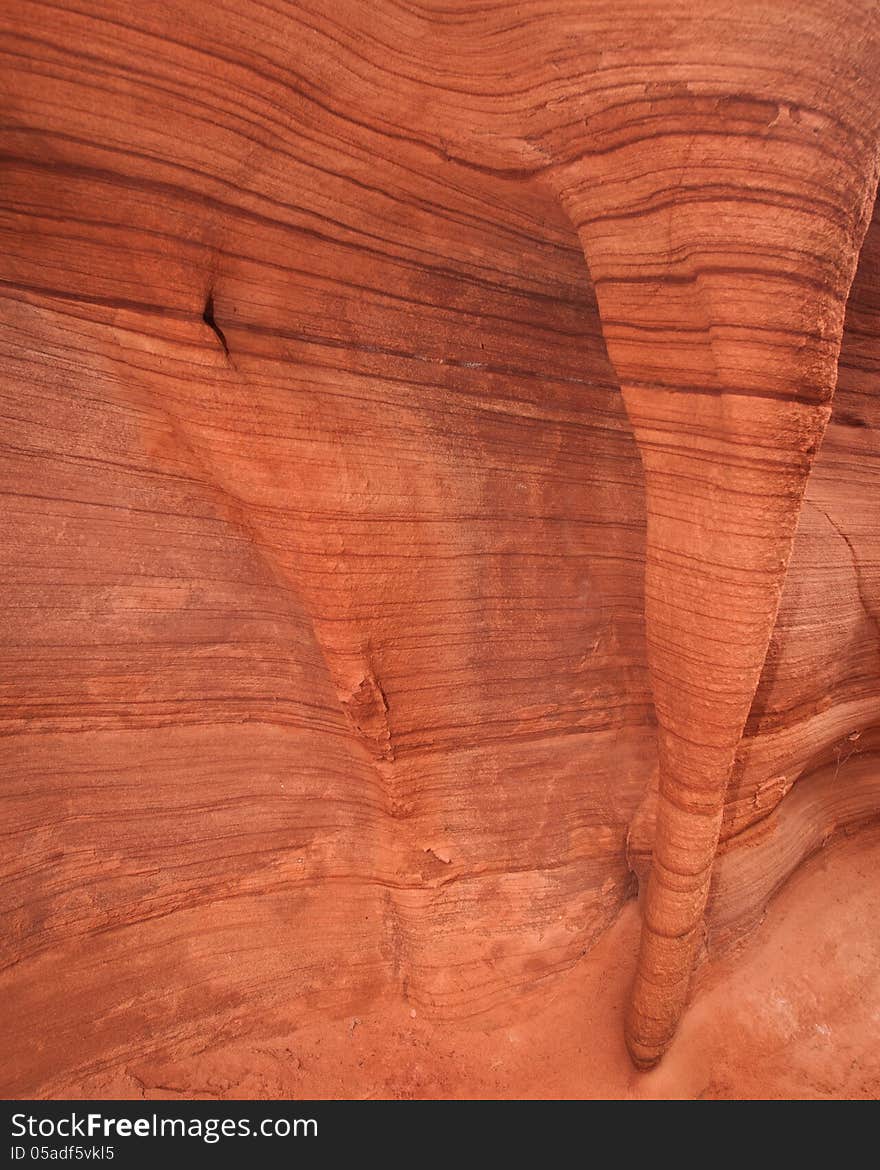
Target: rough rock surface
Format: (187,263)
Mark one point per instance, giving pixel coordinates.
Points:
(420,529)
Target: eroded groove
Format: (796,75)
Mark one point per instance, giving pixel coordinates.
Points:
(210,320)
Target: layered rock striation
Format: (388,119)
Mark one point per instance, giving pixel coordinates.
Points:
(441,454)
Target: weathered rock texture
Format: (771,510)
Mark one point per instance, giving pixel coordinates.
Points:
(420,531)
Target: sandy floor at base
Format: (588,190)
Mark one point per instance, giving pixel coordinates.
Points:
(793,1012)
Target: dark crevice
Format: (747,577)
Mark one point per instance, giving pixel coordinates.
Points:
(210,321)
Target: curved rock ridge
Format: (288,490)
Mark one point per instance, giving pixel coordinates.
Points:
(424,525)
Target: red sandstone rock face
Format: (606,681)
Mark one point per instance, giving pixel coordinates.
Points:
(414,418)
